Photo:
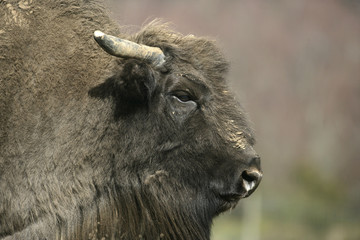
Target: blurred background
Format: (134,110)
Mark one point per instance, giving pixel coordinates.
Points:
(295,67)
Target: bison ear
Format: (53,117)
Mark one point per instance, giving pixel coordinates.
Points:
(135,83)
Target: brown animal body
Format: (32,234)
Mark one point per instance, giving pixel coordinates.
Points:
(94,146)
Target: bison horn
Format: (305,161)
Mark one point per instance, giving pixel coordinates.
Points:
(127,49)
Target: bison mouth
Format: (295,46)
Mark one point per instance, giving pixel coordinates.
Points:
(228,201)
(245,187)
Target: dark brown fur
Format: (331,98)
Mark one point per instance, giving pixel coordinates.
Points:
(85,156)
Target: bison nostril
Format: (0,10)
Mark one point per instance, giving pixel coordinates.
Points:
(251,178)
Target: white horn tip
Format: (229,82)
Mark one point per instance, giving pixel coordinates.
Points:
(98,34)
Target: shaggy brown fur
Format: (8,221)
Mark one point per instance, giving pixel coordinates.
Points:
(94,147)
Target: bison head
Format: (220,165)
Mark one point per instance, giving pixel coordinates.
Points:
(184,149)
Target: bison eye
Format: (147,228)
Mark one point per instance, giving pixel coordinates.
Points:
(181,105)
(183,96)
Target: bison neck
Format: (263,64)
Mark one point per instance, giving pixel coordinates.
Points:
(143,213)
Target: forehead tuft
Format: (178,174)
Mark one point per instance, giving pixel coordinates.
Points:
(201,53)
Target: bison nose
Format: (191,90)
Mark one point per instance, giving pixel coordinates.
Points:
(250,180)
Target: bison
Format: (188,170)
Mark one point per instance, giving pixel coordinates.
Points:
(141,141)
